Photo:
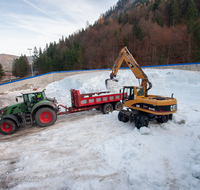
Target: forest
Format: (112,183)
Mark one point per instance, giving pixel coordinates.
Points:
(20,67)
(155,31)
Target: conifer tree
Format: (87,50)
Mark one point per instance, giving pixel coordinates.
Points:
(191,17)
(159,20)
(35,56)
(1,71)
(20,66)
(196,39)
(137,31)
(191,12)
(174,12)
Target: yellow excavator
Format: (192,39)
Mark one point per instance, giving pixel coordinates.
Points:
(141,107)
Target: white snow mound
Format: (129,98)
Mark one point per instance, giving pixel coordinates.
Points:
(90,150)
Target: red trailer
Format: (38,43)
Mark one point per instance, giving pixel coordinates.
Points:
(100,100)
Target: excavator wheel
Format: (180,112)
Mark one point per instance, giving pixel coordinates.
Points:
(137,119)
(144,121)
(125,119)
(122,117)
(163,119)
(141,121)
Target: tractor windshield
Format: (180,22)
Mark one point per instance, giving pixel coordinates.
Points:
(33,98)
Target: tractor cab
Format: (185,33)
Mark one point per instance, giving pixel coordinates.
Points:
(31,98)
(132,92)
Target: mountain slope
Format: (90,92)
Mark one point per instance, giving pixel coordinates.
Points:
(6,61)
(156,32)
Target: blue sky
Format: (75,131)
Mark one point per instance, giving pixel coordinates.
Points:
(29,23)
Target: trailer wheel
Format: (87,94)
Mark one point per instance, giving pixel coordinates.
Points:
(118,106)
(163,119)
(45,117)
(107,108)
(7,126)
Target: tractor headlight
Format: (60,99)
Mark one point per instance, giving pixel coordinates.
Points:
(2,111)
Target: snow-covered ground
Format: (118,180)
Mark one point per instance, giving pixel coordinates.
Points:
(89,150)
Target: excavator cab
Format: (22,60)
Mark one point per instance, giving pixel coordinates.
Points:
(132,92)
(128,93)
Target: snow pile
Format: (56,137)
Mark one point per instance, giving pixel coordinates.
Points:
(89,150)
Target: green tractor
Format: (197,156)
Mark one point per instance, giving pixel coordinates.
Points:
(35,108)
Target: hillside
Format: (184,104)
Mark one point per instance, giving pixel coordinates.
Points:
(6,61)
(155,31)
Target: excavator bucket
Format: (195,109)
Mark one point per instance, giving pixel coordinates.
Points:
(106,81)
(112,78)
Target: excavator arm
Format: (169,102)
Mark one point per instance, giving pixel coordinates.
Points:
(125,55)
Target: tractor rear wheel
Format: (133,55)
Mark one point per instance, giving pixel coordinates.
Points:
(45,117)
(7,126)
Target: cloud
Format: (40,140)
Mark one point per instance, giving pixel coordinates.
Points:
(35,7)
(30,23)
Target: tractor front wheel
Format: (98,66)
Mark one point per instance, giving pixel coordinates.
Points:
(45,117)
(7,126)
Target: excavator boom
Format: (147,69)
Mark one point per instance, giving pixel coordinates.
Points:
(125,55)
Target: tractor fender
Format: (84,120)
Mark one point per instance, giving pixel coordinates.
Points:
(51,105)
(12,117)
